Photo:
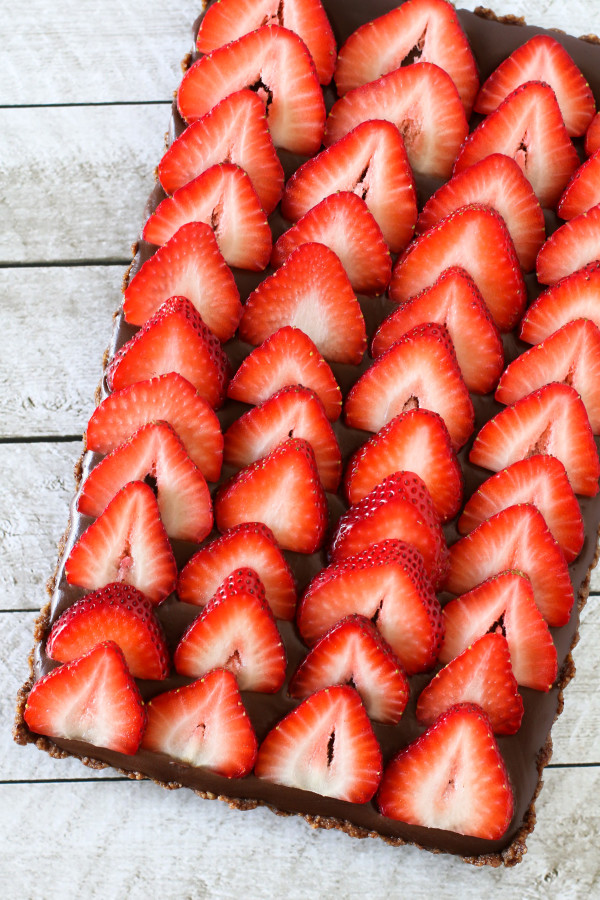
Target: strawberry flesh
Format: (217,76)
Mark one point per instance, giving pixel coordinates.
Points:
(570,247)
(582,191)
(575,297)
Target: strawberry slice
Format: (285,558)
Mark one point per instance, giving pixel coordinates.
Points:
(592,136)
(571,247)
(476,239)
(422,101)
(527,126)
(504,605)
(516,538)
(203,724)
(224,198)
(92,699)
(311,291)
(174,339)
(418,371)
(288,357)
(293,412)
(454,301)
(371,162)
(572,355)
(169,398)
(343,222)
(283,491)
(583,190)
(234,131)
(542,58)
(275,63)
(126,543)
(235,631)
(325,745)
(551,420)
(353,652)
(414,441)
(575,297)
(154,451)
(388,584)
(250,545)
(453,777)
(496,181)
(424,30)
(119,613)
(540,480)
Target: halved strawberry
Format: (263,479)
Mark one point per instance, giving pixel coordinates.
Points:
(414,441)
(343,222)
(454,301)
(169,398)
(287,357)
(453,777)
(476,239)
(311,291)
(353,652)
(235,631)
(154,451)
(592,136)
(516,538)
(388,584)
(250,545)
(126,543)
(418,371)
(275,63)
(583,190)
(551,420)
(282,490)
(422,101)
(497,181)
(575,297)
(174,339)
(371,161)
(203,724)
(92,699)
(292,412)
(119,613)
(570,247)
(326,745)
(224,198)
(234,131)
(527,126)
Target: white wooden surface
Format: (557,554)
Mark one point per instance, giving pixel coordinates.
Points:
(80,134)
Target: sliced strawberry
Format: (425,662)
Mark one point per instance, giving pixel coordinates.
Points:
(388,584)
(540,480)
(224,198)
(174,339)
(154,451)
(325,745)
(288,357)
(311,291)
(476,239)
(454,301)
(527,126)
(414,441)
(92,699)
(235,631)
(343,222)
(126,543)
(203,724)
(453,777)
(542,58)
(496,181)
(353,652)
(575,297)
(418,371)
(592,136)
(234,131)
(119,613)
(282,490)
(371,161)
(583,190)
(571,247)
(293,412)
(275,63)
(422,101)
(250,545)
(551,420)
(169,398)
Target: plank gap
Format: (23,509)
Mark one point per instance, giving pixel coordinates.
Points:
(66,263)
